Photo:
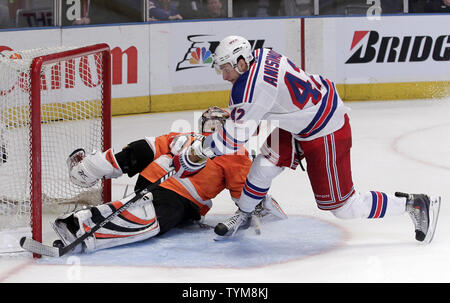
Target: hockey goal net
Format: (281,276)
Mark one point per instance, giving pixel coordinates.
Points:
(52,101)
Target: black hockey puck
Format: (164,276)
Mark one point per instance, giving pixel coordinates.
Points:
(58,243)
(221,229)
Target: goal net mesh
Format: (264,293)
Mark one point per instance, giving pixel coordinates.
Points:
(71,109)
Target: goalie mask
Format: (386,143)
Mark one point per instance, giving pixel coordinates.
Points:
(212,119)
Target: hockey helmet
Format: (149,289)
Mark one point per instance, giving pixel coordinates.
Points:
(212,119)
(230,50)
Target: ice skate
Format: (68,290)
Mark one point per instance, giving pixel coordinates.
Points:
(424,212)
(269,206)
(240,220)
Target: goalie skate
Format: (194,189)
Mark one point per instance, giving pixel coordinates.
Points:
(424,212)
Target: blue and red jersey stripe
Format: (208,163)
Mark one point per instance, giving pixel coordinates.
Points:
(242,91)
(327,108)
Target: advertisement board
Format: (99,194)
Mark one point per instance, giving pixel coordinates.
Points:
(129,53)
(191,63)
(182,75)
(391,49)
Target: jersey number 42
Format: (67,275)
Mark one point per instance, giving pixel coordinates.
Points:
(302,91)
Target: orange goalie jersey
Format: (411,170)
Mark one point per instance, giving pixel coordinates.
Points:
(224,172)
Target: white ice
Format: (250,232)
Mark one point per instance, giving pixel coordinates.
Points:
(397,146)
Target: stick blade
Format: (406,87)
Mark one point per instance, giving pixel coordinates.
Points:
(39,248)
(257,224)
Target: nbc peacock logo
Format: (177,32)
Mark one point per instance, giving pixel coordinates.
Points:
(200,56)
(200,50)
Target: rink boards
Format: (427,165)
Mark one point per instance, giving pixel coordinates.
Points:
(167,66)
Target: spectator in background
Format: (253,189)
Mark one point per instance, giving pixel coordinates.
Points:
(100,12)
(298,7)
(5,20)
(163,10)
(247,8)
(391,7)
(274,8)
(214,9)
(437,6)
(416,6)
(290,8)
(191,9)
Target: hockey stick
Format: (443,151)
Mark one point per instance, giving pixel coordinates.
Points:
(257,223)
(41,249)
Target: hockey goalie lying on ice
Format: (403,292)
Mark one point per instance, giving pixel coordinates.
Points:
(173,202)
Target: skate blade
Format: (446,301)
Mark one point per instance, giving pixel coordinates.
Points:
(218,238)
(435,206)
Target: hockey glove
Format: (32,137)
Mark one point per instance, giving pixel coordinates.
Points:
(180,143)
(85,171)
(192,159)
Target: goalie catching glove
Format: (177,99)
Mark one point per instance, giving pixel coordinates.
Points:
(86,170)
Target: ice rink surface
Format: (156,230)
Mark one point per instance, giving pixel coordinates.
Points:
(397,146)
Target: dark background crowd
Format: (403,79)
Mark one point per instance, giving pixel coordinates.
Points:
(38,13)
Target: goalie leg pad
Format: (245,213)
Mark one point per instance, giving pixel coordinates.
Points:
(137,223)
(66,227)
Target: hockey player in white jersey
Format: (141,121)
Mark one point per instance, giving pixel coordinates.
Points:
(313,125)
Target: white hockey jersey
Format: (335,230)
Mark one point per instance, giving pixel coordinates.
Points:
(275,89)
